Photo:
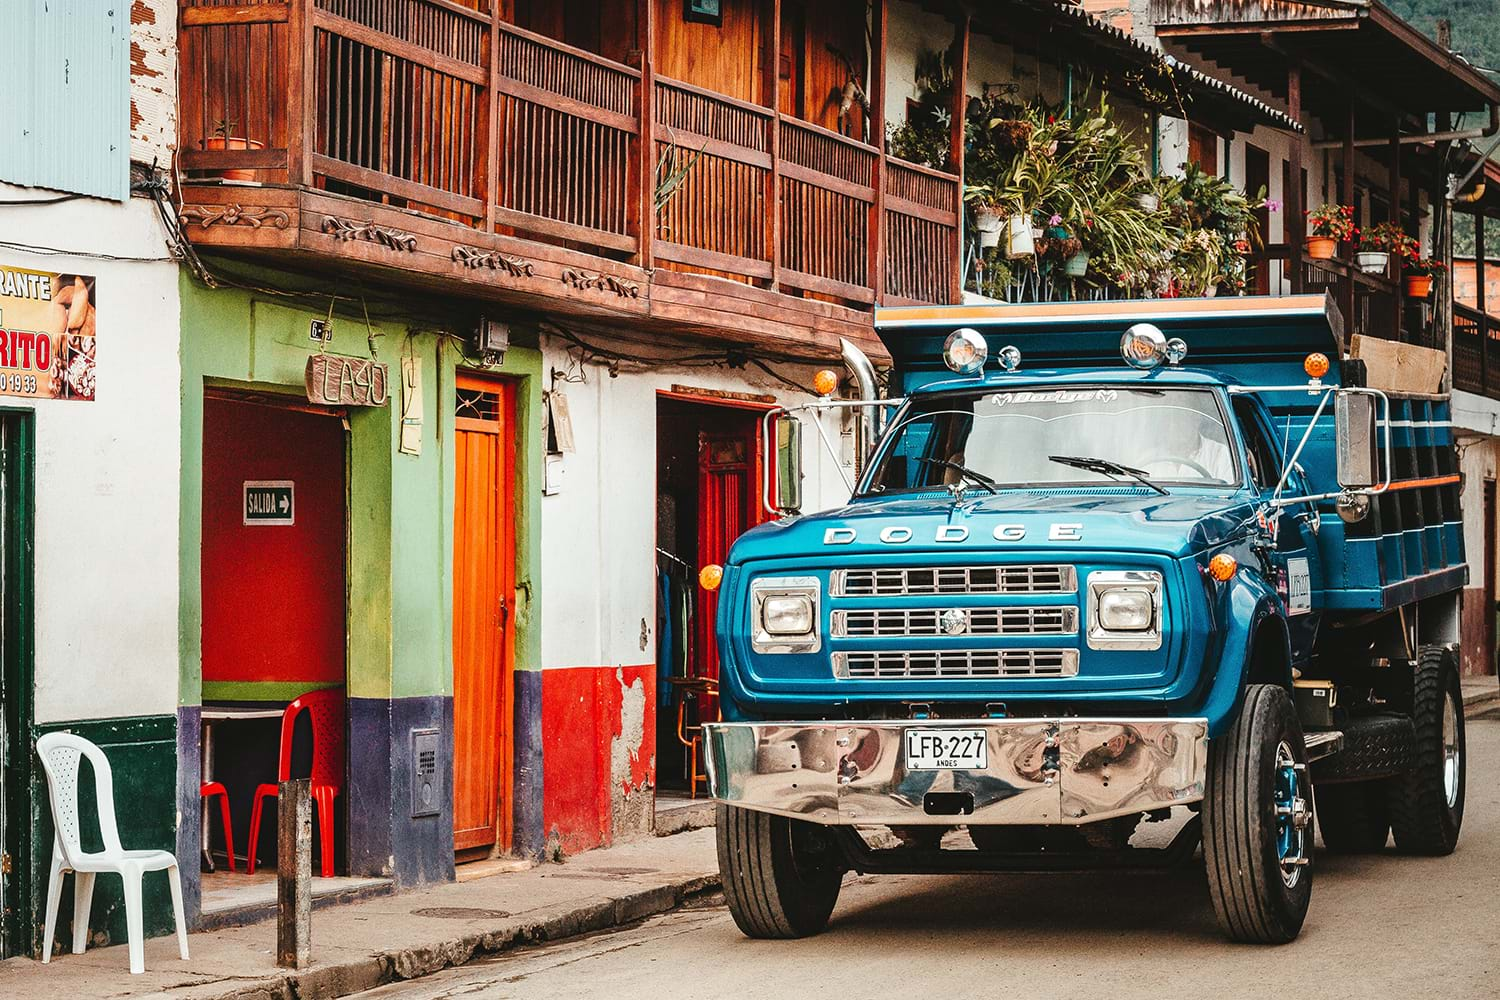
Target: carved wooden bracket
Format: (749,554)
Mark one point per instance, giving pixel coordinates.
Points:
(348,229)
(516,267)
(601,282)
(255,216)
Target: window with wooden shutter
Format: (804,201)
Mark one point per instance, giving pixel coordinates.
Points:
(66,125)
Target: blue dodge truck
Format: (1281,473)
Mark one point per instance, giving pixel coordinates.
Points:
(1116,579)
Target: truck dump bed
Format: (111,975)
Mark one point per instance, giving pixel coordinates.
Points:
(1410,546)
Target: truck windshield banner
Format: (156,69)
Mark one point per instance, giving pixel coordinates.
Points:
(46,334)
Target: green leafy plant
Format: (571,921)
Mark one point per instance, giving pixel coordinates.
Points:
(924,136)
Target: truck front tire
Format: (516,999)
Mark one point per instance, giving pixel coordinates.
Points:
(1257,821)
(781,876)
(1427,802)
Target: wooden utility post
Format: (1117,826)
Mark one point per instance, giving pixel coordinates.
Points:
(294,873)
(1346,197)
(1397,307)
(959,58)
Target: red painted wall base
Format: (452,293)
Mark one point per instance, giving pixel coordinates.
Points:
(598,739)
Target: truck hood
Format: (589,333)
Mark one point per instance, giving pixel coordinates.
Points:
(1123,519)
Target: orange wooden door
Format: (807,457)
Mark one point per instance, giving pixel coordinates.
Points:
(484,545)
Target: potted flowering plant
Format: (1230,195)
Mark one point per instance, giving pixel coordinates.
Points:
(224,138)
(989,214)
(1373,253)
(1419,273)
(1327,227)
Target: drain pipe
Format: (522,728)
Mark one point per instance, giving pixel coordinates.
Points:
(866,418)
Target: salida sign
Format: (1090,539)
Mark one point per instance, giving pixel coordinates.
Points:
(46,334)
(270,502)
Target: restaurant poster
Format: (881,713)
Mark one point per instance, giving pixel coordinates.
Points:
(47,338)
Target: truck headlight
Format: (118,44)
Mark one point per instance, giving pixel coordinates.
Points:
(787,615)
(784,614)
(1124,609)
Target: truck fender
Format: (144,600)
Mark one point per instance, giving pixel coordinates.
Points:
(1256,647)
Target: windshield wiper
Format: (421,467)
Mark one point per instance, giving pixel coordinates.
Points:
(1105,467)
(978,478)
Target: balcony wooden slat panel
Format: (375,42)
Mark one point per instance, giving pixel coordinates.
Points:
(921,214)
(827,188)
(714,219)
(238,54)
(567,134)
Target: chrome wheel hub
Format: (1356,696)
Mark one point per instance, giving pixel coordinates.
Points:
(1293,815)
(1452,754)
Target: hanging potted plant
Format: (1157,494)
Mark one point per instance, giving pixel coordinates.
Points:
(1373,253)
(224,138)
(1327,227)
(989,214)
(1419,274)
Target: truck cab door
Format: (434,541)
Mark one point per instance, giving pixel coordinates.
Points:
(1289,548)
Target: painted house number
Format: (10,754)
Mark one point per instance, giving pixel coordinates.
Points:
(270,502)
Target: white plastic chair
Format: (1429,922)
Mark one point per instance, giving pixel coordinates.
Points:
(61,753)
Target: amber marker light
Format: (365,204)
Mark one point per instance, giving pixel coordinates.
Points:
(1316,365)
(825,382)
(710,576)
(1222,566)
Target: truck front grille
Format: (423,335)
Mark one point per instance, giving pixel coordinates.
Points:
(903,580)
(956,664)
(873,623)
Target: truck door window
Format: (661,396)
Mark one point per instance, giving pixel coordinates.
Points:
(1265,470)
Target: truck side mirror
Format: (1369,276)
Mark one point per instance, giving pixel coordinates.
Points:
(789,463)
(1358,444)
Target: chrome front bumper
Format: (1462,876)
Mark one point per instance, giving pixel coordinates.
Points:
(1040,771)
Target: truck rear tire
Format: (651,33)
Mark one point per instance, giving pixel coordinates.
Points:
(1257,821)
(1427,802)
(1353,816)
(781,876)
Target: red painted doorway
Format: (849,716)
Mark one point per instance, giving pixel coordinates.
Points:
(273,588)
(484,599)
(709,467)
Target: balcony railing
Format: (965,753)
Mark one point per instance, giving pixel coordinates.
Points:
(430,105)
(1476,351)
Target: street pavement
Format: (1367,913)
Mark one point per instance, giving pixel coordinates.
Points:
(1380,926)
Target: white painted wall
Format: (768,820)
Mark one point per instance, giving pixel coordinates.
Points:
(107,470)
(599,532)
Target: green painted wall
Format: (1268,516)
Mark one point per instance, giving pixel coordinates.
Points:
(142,754)
(400,506)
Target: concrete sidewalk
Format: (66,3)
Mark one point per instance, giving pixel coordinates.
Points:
(1480,693)
(363,945)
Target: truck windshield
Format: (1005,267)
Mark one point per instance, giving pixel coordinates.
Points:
(1173,436)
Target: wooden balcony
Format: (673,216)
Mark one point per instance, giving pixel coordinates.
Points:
(422,141)
(1476,351)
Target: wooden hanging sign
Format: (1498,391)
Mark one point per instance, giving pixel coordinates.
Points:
(335,380)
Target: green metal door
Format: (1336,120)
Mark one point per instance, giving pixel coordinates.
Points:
(16,507)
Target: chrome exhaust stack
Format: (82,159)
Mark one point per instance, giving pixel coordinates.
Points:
(868,418)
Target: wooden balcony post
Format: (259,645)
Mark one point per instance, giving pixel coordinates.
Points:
(959,56)
(645,104)
(1395,203)
(879,22)
(771,88)
(491,127)
(1479,304)
(1346,197)
(1293,197)
(301,129)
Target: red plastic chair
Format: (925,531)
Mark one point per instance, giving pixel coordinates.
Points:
(208,790)
(325,709)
